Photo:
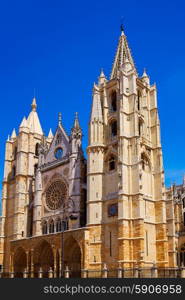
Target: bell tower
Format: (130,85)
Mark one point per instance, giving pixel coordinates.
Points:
(21,159)
(126,197)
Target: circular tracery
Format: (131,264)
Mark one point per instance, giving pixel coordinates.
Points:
(56,195)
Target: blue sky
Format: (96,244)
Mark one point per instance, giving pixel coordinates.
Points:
(59,47)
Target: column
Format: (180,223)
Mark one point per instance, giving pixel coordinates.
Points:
(27,261)
(60,261)
(11,268)
(55,261)
(32,264)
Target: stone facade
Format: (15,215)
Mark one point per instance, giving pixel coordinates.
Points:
(58,210)
(175,208)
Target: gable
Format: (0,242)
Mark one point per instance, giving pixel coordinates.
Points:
(59,147)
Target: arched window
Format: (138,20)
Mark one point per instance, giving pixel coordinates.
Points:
(15,153)
(44,228)
(37,149)
(112,163)
(183,202)
(58,139)
(114,101)
(58,225)
(145,162)
(58,153)
(64,225)
(83,215)
(139,128)
(35,169)
(138,100)
(13,171)
(51,227)
(113,126)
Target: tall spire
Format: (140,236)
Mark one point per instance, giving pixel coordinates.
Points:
(33,119)
(123,53)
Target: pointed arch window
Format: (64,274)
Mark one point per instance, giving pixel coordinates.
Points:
(145,163)
(112,163)
(138,100)
(64,225)
(44,228)
(183,202)
(13,171)
(113,101)
(35,169)
(51,227)
(15,153)
(58,139)
(58,225)
(37,149)
(113,127)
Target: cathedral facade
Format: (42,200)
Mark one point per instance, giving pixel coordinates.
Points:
(111,211)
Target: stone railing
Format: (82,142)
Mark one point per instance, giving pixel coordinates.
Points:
(136,272)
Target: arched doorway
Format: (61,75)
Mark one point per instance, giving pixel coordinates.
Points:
(182,255)
(43,258)
(72,257)
(19,262)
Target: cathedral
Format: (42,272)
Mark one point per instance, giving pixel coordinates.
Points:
(65,214)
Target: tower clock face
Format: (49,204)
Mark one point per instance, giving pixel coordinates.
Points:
(58,153)
(56,195)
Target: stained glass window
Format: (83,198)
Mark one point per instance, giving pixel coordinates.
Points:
(56,195)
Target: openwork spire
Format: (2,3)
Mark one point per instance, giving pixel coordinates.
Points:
(123,54)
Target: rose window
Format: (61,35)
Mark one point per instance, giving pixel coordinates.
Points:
(56,195)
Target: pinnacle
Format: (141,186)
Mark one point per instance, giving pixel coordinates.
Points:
(76,122)
(33,122)
(34,104)
(144,73)
(24,123)
(102,75)
(13,135)
(50,134)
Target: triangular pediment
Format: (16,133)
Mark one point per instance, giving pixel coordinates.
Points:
(59,147)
